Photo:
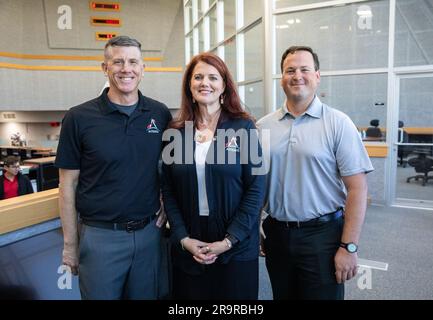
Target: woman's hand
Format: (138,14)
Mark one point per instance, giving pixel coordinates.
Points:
(201,251)
(209,253)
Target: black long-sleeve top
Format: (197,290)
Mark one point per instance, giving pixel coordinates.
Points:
(235,193)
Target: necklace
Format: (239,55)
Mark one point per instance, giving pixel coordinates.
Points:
(205,129)
(203,135)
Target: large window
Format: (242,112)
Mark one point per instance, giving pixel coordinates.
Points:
(229,18)
(414,32)
(254,52)
(230,56)
(362,97)
(188,16)
(290,3)
(233,29)
(253,99)
(351,41)
(345,37)
(252,10)
(213,28)
(416,109)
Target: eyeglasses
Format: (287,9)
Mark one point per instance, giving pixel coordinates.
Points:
(13,167)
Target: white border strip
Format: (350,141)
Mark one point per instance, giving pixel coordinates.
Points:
(373,264)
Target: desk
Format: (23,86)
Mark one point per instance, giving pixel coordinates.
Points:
(419,130)
(40,160)
(374,139)
(42,154)
(23,152)
(47,173)
(382,129)
(419,134)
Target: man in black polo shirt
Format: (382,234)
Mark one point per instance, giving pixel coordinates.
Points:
(108,159)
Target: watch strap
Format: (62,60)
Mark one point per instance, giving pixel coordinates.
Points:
(233,240)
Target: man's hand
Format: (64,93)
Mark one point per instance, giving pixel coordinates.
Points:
(162,218)
(263,217)
(345,265)
(71,258)
(262,240)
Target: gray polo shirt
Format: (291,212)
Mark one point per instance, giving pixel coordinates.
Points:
(308,156)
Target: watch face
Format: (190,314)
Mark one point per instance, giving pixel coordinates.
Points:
(351,247)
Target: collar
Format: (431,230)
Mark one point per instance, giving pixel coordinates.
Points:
(107,107)
(14,178)
(314,109)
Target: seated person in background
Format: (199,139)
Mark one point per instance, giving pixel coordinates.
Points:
(374,130)
(12,182)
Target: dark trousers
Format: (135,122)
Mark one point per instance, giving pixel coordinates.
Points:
(300,261)
(237,280)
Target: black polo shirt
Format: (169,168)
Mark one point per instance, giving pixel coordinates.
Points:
(117,157)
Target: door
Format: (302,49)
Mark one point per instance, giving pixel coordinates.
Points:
(414,141)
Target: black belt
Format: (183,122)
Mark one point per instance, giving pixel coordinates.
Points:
(129,226)
(311,223)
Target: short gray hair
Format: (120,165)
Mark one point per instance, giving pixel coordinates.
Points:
(121,41)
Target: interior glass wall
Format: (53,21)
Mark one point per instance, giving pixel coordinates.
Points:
(414,32)
(234,30)
(353,36)
(372,75)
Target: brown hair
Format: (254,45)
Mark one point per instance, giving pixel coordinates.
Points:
(189,111)
(11,160)
(293,49)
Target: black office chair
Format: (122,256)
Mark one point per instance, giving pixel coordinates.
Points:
(373,131)
(422,164)
(403,151)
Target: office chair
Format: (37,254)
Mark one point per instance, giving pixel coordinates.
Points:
(373,131)
(422,164)
(403,151)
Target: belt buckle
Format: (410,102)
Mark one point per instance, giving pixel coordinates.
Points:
(290,224)
(131,226)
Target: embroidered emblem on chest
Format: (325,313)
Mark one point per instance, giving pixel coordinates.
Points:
(152,127)
(232,145)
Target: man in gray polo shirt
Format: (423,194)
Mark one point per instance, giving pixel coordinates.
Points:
(317,175)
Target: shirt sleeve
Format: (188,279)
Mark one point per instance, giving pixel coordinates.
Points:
(249,209)
(69,149)
(352,157)
(174,215)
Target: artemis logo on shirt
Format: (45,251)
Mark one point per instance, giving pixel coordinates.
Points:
(232,145)
(152,127)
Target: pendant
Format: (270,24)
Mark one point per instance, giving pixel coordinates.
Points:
(199,137)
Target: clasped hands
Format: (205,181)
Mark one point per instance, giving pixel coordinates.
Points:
(204,252)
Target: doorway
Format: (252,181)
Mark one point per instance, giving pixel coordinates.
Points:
(413,174)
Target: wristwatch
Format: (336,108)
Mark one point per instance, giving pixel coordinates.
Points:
(350,247)
(232,239)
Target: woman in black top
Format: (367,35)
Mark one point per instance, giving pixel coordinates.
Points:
(211,190)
